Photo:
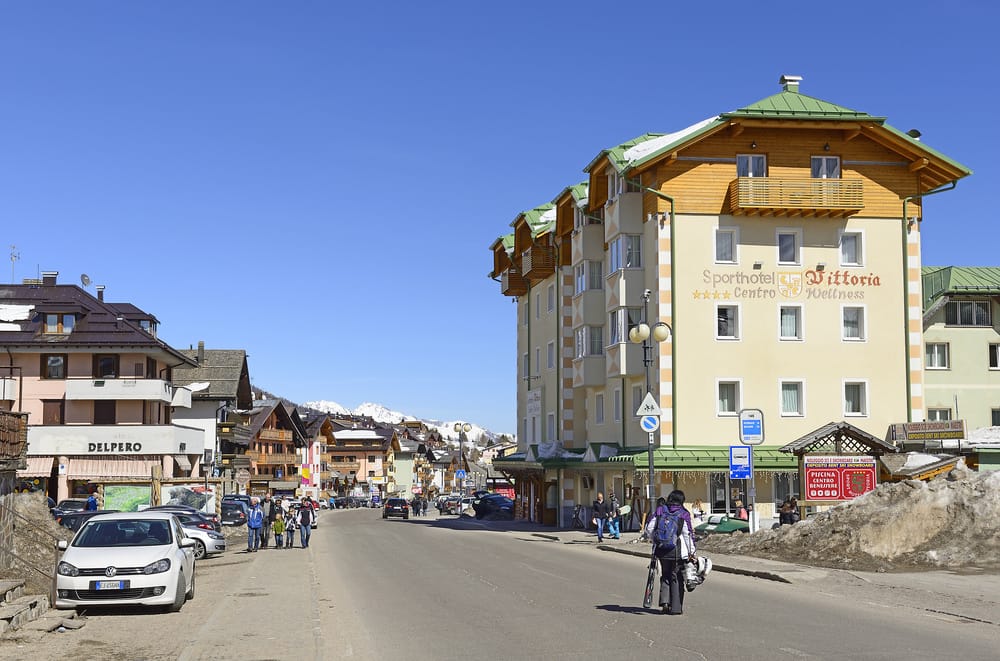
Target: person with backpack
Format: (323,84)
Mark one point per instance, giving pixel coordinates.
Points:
(306,515)
(255,520)
(672,534)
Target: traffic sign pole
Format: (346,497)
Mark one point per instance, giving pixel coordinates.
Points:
(751,434)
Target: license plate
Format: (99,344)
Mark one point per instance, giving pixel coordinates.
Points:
(110,585)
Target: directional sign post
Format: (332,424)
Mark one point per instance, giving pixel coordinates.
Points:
(650,413)
(752,433)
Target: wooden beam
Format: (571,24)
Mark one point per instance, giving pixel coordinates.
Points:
(919,164)
(735,129)
(850,135)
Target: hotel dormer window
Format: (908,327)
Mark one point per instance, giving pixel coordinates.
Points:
(59,324)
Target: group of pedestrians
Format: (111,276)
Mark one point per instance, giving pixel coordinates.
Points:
(419,506)
(274,515)
(607,513)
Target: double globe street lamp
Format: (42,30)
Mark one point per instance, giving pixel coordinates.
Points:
(461,428)
(642,333)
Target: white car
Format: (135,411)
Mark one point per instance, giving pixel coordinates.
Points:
(207,542)
(126,558)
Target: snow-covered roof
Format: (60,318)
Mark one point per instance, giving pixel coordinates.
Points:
(643,149)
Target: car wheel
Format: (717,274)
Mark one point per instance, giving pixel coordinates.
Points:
(179,595)
(190,593)
(199,550)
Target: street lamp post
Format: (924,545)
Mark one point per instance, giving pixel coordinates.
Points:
(642,333)
(461,428)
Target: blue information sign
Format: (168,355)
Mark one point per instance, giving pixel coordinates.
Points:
(649,423)
(460,474)
(740,462)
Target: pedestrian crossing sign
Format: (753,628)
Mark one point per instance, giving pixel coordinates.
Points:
(649,406)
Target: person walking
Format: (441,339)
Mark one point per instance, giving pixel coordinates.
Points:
(266,506)
(304,522)
(289,518)
(670,515)
(614,524)
(92,502)
(255,520)
(601,512)
(279,530)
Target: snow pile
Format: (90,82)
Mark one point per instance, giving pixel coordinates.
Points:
(952,521)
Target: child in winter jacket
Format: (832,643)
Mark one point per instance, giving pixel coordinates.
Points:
(279,530)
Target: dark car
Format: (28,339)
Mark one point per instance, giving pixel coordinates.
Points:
(69,505)
(75,520)
(396,507)
(208,517)
(238,498)
(495,506)
(234,513)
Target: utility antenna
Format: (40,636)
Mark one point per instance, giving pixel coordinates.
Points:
(14,256)
(84,279)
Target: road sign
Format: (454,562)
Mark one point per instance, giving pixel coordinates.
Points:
(751,426)
(740,462)
(649,423)
(460,474)
(242,477)
(649,406)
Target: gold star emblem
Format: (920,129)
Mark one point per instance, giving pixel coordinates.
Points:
(697,295)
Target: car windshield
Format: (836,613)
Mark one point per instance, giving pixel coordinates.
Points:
(124,532)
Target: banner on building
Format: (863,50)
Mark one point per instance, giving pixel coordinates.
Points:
(839,478)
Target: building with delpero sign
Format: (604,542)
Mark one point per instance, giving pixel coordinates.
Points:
(776,247)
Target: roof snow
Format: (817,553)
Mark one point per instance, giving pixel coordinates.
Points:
(643,149)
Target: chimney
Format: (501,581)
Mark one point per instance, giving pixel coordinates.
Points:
(49,277)
(201,351)
(100,292)
(790,83)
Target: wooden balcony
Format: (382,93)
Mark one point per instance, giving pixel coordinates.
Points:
(539,262)
(276,435)
(772,196)
(512,283)
(273,457)
(344,467)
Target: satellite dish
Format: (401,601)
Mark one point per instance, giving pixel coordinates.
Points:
(85,279)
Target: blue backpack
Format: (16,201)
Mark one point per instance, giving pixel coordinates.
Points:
(668,528)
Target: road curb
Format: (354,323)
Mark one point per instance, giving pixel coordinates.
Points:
(725,569)
(554,538)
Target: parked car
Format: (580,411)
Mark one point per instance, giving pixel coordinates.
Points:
(75,520)
(494,505)
(128,558)
(207,542)
(720,524)
(396,507)
(69,505)
(237,497)
(211,517)
(234,513)
(444,504)
(458,506)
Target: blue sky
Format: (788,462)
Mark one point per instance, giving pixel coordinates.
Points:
(319,182)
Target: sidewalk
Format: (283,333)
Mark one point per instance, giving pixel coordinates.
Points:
(972,595)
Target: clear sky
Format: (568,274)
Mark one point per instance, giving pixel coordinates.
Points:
(319,182)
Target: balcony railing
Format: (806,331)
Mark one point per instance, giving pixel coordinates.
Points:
(795,197)
(344,466)
(273,457)
(275,435)
(119,389)
(539,262)
(512,283)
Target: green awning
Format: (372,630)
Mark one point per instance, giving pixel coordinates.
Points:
(706,459)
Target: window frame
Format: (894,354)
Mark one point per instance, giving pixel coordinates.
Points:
(739,316)
(738,396)
(629,316)
(823,159)
(62,323)
(619,248)
(745,163)
(801,413)
(550,355)
(954,305)
(796,232)
(550,298)
(799,324)
(616,405)
(43,367)
(860,247)
(993,356)
(947,356)
(599,408)
(862,327)
(550,426)
(865,405)
(934,413)
(734,236)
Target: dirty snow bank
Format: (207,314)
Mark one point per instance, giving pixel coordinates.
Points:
(952,521)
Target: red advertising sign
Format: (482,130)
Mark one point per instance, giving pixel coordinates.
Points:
(839,478)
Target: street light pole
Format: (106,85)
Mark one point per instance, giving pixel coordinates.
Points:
(642,333)
(461,428)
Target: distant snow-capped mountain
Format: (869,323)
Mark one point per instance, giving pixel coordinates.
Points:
(477,435)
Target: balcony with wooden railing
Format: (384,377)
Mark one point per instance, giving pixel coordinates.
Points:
(512,283)
(273,457)
(776,196)
(276,435)
(538,262)
(344,467)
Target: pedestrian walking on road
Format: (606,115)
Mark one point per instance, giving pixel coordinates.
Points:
(614,526)
(289,518)
(672,554)
(306,515)
(255,520)
(267,506)
(279,530)
(601,512)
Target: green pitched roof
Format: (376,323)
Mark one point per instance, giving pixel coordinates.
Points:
(540,219)
(968,280)
(615,154)
(793,105)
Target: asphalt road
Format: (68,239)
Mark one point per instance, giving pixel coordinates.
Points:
(430,588)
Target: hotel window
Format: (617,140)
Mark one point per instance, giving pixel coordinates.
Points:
(527,307)
(589,341)
(790,322)
(855,398)
(617,407)
(937,356)
(850,249)
(995,417)
(636,398)
(550,424)
(728,401)
(751,165)
(967,313)
(994,356)
(938,415)
(53,411)
(371,458)
(538,361)
(725,246)
(550,355)
(727,322)
(614,185)
(550,294)
(825,167)
(58,324)
(853,324)
(625,252)
(54,366)
(525,366)
(105,366)
(538,306)
(789,246)
(599,409)
(791,398)
(622,320)
(588,275)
